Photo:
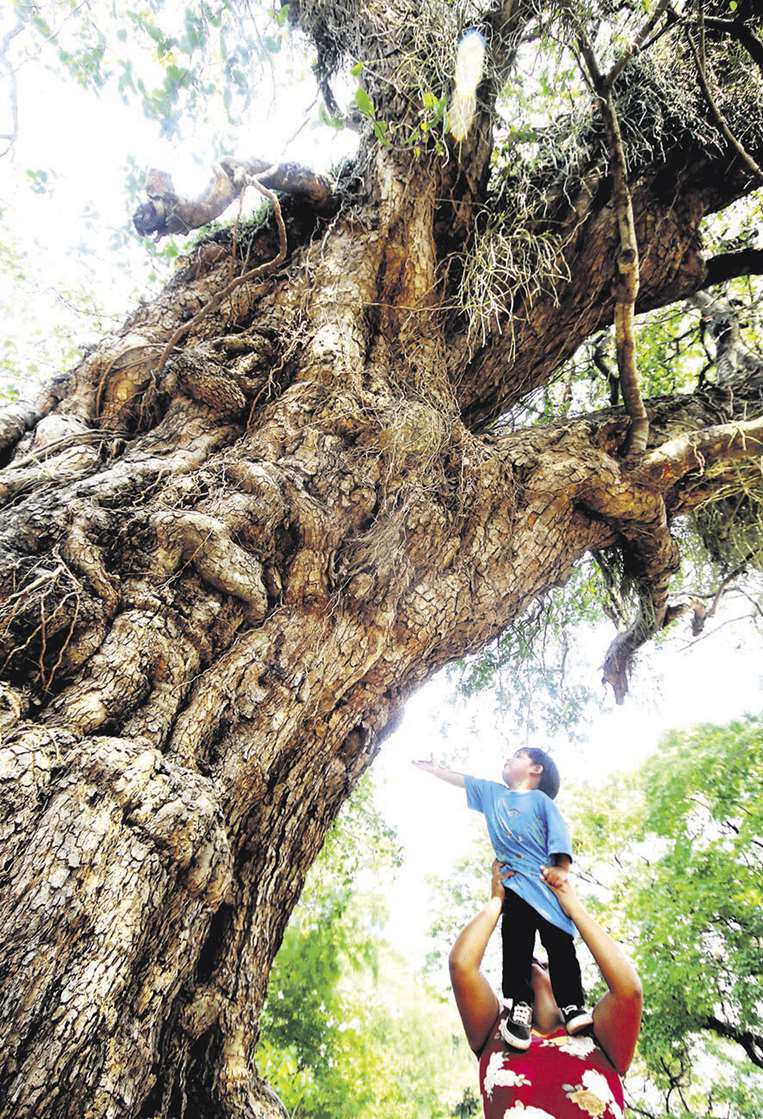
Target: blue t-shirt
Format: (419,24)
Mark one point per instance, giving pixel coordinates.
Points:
(526,829)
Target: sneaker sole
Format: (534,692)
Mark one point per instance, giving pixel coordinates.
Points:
(518,1043)
(578,1024)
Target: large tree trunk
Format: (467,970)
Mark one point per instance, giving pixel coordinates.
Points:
(224,573)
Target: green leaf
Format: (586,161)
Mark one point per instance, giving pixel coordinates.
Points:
(364,102)
(380,130)
(332,122)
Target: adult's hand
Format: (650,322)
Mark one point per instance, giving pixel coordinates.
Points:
(499,872)
(564,890)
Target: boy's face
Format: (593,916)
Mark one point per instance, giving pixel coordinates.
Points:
(520,768)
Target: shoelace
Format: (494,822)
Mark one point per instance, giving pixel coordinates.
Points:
(522,1013)
(569,1009)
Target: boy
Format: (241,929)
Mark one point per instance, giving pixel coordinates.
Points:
(532,843)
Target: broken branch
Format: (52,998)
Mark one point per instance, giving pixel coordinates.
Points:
(167,212)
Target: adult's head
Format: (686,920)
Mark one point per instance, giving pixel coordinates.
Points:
(532,767)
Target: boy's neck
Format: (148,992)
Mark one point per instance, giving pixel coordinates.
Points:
(524,786)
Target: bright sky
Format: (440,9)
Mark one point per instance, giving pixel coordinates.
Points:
(64,238)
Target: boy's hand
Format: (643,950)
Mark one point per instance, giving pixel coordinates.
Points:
(568,899)
(428,765)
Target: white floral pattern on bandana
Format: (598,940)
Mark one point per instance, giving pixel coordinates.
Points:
(594,1095)
(519,1111)
(498,1075)
(576,1046)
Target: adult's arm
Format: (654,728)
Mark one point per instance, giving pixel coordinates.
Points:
(617,1016)
(449,775)
(475,998)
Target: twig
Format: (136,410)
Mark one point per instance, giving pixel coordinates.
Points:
(704,636)
(5,63)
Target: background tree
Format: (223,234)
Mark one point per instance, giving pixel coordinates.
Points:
(311,472)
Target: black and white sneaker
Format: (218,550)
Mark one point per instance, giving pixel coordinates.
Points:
(515,1027)
(576,1018)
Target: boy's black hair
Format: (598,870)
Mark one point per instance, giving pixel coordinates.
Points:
(549,779)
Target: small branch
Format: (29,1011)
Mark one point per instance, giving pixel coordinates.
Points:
(718,628)
(715,112)
(166,212)
(733,360)
(637,43)
(627,284)
(11,136)
(612,379)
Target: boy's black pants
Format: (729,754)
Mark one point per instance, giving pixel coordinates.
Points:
(518,927)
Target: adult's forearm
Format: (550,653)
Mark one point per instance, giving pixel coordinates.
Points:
(618,972)
(469,948)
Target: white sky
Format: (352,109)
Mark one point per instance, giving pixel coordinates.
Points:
(64,237)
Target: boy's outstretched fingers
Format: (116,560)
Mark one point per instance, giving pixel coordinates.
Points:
(425,763)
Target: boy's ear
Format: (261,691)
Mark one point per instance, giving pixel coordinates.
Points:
(536,767)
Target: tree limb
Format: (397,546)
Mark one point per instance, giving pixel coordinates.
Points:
(627,285)
(668,463)
(166,212)
(699,62)
(245,277)
(727,266)
(740,31)
(751,1042)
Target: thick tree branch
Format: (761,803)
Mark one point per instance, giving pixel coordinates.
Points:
(698,450)
(245,277)
(166,212)
(727,266)
(741,31)
(751,1042)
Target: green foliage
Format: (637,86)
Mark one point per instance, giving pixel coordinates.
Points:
(180,61)
(534,670)
(678,846)
(702,900)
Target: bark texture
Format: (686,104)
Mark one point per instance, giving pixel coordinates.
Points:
(224,572)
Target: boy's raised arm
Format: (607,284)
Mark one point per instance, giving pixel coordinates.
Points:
(442,772)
